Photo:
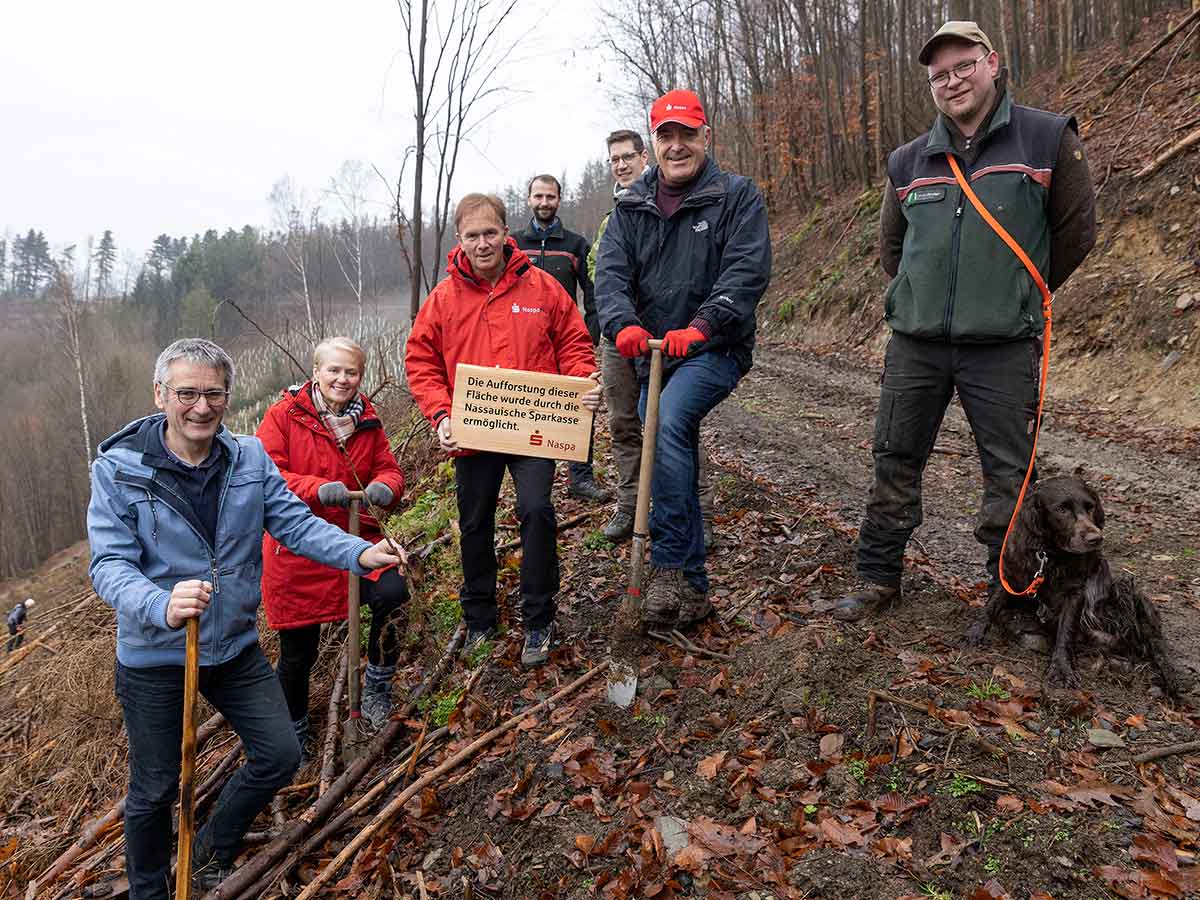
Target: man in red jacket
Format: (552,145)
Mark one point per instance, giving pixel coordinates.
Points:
(497,309)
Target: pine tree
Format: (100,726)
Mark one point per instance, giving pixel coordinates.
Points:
(105,259)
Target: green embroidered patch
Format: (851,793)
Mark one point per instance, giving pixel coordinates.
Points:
(926,195)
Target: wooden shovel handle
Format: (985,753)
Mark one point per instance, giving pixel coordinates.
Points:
(187,771)
(354,619)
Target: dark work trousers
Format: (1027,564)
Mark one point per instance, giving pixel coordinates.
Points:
(16,638)
(298,647)
(582,472)
(997,385)
(246,691)
(477,479)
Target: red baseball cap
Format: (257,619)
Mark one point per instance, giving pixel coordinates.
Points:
(677,106)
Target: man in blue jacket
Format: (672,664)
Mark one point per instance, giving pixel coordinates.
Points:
(686,257)
(176,519)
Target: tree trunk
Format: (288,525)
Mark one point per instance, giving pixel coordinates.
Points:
(417,224)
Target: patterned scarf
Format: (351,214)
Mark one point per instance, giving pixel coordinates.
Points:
(340,426)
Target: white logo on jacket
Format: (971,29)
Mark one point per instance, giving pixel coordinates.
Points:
(700,226)
(518,308)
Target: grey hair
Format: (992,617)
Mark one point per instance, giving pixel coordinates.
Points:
(197,351)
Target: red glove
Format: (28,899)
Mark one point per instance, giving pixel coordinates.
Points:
(678,342)
(633,341)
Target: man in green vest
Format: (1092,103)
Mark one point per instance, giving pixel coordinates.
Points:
(965,314)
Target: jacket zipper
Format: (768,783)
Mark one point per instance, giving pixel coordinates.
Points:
(958,212)
(211,551)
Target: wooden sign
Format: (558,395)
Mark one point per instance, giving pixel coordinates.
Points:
(527,413)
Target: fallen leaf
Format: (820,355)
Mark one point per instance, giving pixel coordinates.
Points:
(839,834)
(952,848)
(993,890)
(1156,850)
(710,765)
(896,849)
(585,843)
(1009,803)
(831,745)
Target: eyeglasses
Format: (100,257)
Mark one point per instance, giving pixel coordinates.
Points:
(190,396)
(962,71)
(626,158)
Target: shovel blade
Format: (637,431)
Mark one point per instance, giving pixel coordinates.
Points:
(355,738)
(622,684)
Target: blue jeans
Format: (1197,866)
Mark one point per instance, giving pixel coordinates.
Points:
(689,392)
(247,692)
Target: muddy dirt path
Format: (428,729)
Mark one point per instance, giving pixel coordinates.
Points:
(804,422)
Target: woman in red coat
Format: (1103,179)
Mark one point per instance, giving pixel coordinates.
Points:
(327,440)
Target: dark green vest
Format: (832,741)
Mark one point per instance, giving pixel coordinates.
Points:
(958,281)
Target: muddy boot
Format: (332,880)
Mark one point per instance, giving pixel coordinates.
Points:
(619,527)
(694,608)
(377,694)
(865,598)
(660,609)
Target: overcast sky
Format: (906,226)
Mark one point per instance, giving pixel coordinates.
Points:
(151,117)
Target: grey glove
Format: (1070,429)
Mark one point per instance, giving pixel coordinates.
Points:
(333,493)
(379,494)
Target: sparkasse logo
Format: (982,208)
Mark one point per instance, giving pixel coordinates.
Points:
(535,440)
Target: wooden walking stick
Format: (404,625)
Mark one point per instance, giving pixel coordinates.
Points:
(353,735)
(187,771)
(641,516)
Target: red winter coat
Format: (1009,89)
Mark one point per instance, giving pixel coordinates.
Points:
(297,591)
(526,322)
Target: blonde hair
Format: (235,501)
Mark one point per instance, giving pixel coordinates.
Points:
(338,343)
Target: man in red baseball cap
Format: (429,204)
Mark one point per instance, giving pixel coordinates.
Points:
(686,256)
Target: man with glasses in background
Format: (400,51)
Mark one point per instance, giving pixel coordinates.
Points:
(628,159)
(965,314)
(176,519)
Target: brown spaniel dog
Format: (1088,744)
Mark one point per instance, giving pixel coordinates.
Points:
(1058,535)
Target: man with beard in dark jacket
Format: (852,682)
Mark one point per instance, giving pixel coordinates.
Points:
(563,254)
(686,257)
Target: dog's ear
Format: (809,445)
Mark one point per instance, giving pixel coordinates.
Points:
(1025,541)
(1098,515)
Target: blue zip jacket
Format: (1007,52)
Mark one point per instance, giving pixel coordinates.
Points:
(145,539)
(711,260)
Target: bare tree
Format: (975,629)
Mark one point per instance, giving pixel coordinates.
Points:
(349,186)
(296,222)
(453,84)
(69,322)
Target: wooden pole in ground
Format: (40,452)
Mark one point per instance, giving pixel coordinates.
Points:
(641,516)
(187,771)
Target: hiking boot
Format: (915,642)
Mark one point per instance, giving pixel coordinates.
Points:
(537,646)
(619,527)
(477,637)
(588,490)
(376,701)
(209,875)
(694,606)
(869,596)
(660,608)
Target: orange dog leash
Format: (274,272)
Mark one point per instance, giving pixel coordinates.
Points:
(1047,302)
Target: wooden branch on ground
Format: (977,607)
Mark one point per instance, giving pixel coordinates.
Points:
(1169,154)
(1170,35)
(930,710)
(94,830)
(331,725)
(1169,750)
(338,822)
(20,654)
(397,804)
(678,640)
(568,523)
(247,877)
